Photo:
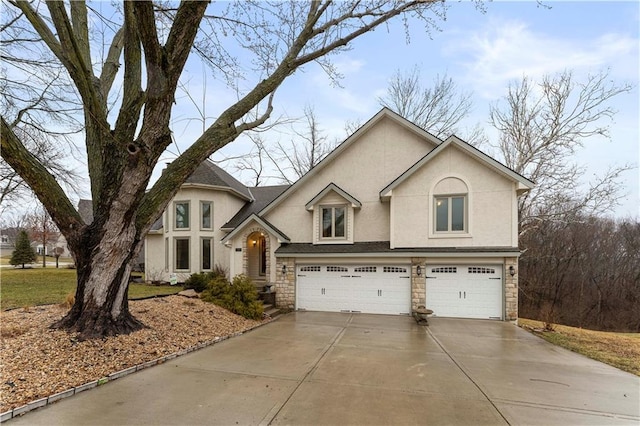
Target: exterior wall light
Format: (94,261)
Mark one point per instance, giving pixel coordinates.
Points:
(419,270)
(512,270)
(284,269)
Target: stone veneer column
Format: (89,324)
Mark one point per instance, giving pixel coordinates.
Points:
(511,289)
(418,283)
(285,283)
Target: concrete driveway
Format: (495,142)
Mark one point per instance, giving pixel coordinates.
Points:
(328,369)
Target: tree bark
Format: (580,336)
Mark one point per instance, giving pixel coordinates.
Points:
(104,258)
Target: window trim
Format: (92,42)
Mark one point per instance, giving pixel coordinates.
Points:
(333,208)
(175,213)
(175,253)
(202,203)
(449,198)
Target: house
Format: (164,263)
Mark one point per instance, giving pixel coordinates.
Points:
(392,219)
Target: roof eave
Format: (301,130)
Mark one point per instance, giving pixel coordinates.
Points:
(217,188)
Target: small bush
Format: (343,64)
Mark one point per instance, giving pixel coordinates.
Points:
(199,282)
(239,296)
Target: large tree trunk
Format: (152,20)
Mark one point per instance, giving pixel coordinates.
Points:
(104,265)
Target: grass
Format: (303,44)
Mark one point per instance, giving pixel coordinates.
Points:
(37,286)
(621,350)
(5,260)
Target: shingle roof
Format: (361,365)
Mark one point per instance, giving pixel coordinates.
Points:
(157,225)
(380,247)
(262,196)
(208,173)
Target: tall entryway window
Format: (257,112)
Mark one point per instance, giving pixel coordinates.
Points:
(256,256)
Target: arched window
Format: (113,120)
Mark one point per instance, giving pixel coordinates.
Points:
(451,206)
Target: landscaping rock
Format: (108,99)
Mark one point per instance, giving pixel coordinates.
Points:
(38,362)
(191,293)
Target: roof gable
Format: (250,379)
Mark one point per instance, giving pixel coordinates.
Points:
(332,187)
(260,221)
(524,184)
(384,113)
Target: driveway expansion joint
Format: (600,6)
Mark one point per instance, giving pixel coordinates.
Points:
(276,410)
(467,375)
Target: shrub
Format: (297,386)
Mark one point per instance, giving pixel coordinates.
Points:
(239,296)
(198,282)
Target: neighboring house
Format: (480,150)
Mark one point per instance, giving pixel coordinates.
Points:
(392,219)
(7,240)
(7,243)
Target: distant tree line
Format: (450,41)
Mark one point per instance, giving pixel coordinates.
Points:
(583,271)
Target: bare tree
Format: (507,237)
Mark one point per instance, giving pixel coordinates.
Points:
(439,109)
(309,146)
(285,162)
(42,229)
(257,162)
(14,191)
(33,92)
(542,126)
(124,145)
(582,271)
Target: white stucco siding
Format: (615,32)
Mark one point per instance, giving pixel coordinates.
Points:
(225,206)
(362,169)
(490,206)
(154,259)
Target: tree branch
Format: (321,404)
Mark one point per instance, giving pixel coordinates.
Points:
(43,184)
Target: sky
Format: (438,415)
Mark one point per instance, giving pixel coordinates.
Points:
(482,53)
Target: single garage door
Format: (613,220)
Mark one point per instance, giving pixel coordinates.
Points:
(379,289)
(465,291)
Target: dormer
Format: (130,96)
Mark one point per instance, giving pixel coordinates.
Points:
(333,215)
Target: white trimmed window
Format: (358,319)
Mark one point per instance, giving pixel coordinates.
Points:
(182,254)
(206,215)
(333,222)
(181,214)
(451,213)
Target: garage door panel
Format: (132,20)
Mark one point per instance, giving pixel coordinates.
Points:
(465,291)
(359,288)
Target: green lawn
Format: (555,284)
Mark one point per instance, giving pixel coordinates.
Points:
(37,286)
(5,260)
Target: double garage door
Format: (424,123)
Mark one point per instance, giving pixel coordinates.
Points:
(378,289)
(465,291)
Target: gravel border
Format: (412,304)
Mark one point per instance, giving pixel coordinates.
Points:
(19,411)
(40,366)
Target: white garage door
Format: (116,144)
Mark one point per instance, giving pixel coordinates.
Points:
(375,289)
(465,291)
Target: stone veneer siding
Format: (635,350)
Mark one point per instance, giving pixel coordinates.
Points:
(245,251)
(418,283)
(511,289)
(285,283)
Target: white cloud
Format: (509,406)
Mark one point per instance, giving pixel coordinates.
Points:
(506,50)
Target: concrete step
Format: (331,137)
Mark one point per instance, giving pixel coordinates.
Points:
(272,312)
